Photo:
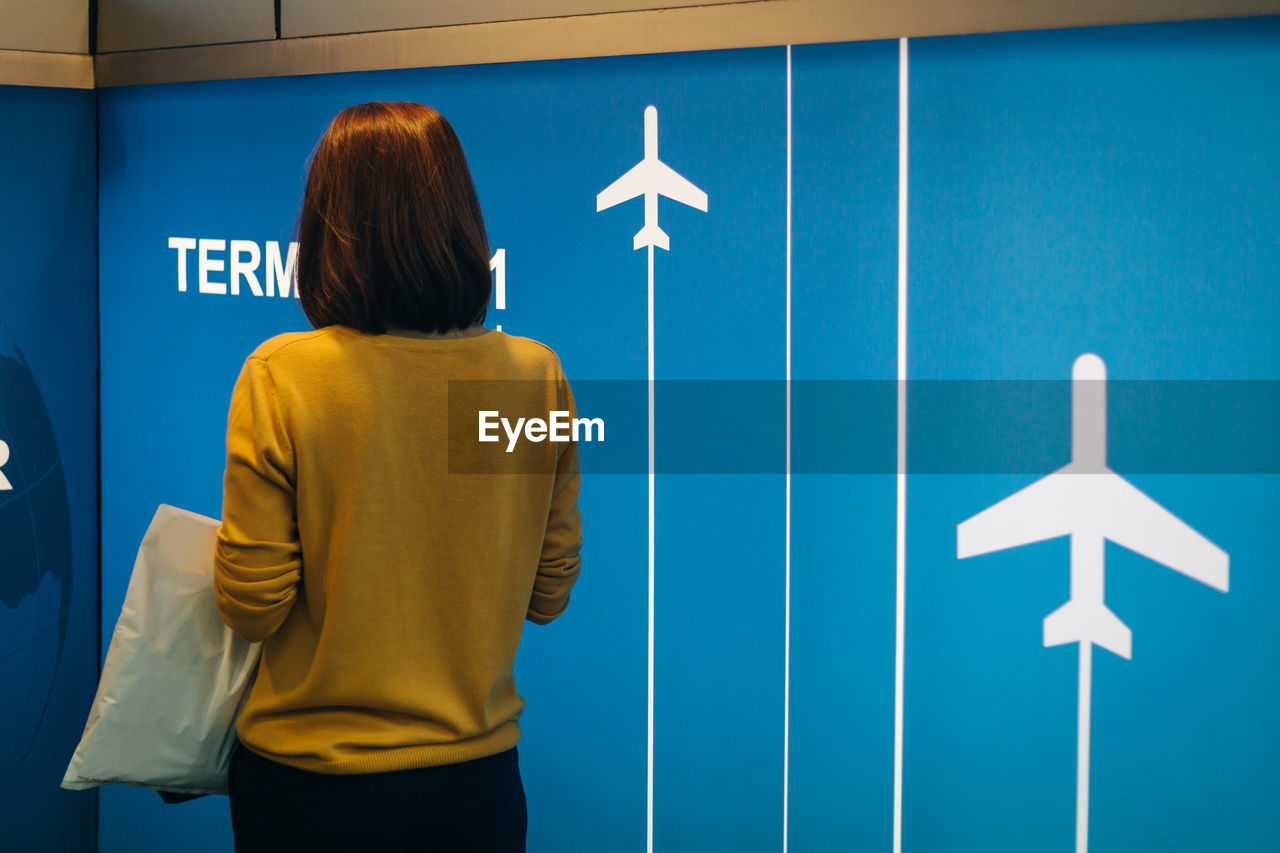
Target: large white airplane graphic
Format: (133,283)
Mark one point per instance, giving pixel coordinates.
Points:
(651,178)
(1089,502)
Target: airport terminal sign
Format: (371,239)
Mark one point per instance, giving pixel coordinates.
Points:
(880,654)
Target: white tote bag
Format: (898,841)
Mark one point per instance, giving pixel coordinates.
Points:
(175,675)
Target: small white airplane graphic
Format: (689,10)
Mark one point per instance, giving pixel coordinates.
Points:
(1089,502)
(651,178)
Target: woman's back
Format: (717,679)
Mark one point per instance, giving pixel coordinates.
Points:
(389,578)
(384,554)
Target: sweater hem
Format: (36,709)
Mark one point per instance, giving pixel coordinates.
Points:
(501,739)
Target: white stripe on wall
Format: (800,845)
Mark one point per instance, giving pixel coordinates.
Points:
(652,470)
(900,615)
(786,666)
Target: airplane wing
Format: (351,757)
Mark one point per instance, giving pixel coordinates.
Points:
(671,184)
(1044,510)
(627,187)
(1133,520)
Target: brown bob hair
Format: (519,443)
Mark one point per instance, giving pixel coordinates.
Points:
(391,232)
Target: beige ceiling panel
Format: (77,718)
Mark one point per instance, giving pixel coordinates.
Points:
(145,24)
(52,26)
(328,17)
(739,25)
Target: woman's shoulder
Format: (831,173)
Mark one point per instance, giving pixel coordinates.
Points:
(530,349)
(280,343)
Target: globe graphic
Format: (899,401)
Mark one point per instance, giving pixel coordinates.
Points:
(35,559)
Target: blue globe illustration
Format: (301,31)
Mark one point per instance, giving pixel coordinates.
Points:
(35,559)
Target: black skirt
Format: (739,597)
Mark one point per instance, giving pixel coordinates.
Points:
(471,806)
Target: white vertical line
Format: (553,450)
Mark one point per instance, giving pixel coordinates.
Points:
(786,672)
(649,804)
(1085,699)
(901,611)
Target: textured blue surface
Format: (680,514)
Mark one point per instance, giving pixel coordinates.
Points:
(48,520)
(844,309)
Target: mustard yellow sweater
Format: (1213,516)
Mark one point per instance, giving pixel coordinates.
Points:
(389,587)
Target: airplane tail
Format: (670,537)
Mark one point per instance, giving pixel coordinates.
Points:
(652,235)
(1088,623)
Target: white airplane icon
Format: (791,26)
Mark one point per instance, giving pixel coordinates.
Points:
(651,178)
(1089,502)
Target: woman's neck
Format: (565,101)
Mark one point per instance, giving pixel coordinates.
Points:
(469,332)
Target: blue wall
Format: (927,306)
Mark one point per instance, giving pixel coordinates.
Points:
(49,495)
(1108,190)
(1118,192)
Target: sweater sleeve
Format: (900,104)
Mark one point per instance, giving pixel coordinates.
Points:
(559,563)
(257,558)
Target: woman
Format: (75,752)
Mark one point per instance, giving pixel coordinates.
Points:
(388,585)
